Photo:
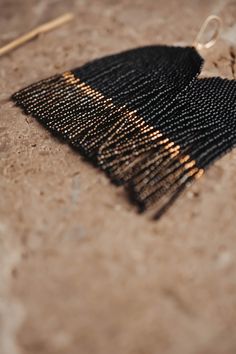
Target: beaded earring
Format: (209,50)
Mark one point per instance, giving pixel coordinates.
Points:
(143,116)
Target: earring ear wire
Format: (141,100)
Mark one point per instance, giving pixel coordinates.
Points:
(198,44)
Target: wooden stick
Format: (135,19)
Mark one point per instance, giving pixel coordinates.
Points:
(35,32)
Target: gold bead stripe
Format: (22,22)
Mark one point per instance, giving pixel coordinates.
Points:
(133,117)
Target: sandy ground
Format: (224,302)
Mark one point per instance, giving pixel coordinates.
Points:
(80,271)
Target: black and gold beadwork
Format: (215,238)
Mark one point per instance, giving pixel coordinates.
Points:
(142,116)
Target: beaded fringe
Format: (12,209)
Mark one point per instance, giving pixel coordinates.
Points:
(142,116)
(153,168)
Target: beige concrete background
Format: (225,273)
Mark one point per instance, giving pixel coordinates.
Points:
(80,271)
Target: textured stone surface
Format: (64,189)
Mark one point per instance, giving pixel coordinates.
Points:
(80,271)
